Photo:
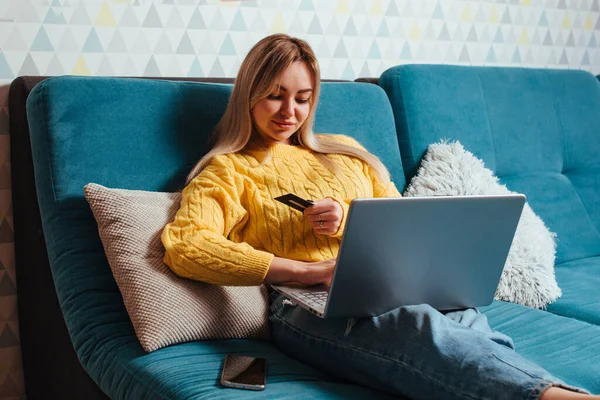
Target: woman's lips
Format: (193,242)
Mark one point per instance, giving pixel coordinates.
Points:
(284,124)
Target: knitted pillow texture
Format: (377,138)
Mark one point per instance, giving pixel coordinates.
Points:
(528,277)
(164,308)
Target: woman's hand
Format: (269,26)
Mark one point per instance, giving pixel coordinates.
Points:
(320,272)
(325,216)
(306,273)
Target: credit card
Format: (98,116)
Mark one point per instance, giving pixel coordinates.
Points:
(291,200)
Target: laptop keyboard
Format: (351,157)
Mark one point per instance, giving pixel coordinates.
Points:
(314,298)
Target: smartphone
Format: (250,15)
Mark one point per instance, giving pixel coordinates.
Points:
(242,372)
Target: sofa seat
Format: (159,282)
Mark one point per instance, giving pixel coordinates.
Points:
(580,284)
(551,341)
(192,371)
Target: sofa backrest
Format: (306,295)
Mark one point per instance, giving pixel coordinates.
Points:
(141,134)
(537,129)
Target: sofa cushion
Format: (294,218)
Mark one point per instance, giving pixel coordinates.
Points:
(580,282)
(528,276)
(146,135)
(551,341)
(192,371)
(164,308)
(536,129)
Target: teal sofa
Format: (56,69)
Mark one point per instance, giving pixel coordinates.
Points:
(538,130)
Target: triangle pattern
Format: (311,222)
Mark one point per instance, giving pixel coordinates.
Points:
(185,45)
(464,55)
(175,21)
(196,22)
(491,56)
(7,337)
(152,69)
(365,72)
(227,48)
(55,67)
(238,24)
(163,46)
(218,22)
(5,71)
(392,10)
(28,68)
(15,41)
(563,58)
(296,28)
(315,27)
(129,19)
(278,25)
(105,69)
(306,5)
(80,16)
(348,72)
(7,287)
(405,54)
(352,37)
(53,17)
(92,43)
(340,51)
(152,19)
(68,44)
(117,44)
(8,388)
(105,17)
(195,69)
(383,30)
(586,59)
(217,69)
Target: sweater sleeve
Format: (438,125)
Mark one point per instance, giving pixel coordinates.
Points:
(196,242)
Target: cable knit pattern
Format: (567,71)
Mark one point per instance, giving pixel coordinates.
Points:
(229,227)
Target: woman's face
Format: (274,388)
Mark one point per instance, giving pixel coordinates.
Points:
(280,114)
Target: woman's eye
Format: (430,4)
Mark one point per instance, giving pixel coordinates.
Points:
(302,101)
(274,97)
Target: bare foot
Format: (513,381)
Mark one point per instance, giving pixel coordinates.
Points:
(556,393)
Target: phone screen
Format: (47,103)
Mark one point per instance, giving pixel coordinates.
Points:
(244,372)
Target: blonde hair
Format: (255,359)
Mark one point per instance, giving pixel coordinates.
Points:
(256,79)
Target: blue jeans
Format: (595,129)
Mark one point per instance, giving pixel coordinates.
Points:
(413,351)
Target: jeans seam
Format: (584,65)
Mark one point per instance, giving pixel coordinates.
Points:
(517,368)
(424,375)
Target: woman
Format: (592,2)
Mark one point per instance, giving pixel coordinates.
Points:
(230,231)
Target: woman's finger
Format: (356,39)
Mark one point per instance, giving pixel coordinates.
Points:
(325,227)
(325,216)
(320,206)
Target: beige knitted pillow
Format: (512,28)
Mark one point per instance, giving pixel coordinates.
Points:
(164,308)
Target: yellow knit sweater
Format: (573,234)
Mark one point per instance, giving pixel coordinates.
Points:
(229,226)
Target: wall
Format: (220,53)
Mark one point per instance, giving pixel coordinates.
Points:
(352,38)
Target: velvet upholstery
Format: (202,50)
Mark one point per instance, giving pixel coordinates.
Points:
(538,130)
(141,134)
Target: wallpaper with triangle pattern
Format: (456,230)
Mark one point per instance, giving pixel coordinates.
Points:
(195,38)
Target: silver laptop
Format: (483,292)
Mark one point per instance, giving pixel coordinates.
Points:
(445,251)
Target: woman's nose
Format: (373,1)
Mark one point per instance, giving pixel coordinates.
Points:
(287,108)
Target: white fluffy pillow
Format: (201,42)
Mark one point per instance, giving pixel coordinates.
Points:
(528,277)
